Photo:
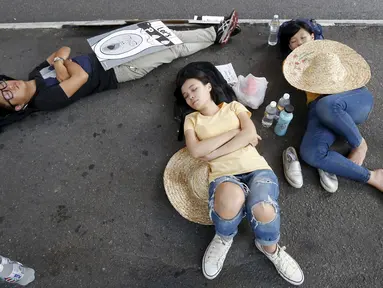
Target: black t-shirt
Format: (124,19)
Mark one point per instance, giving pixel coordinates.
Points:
(49,94)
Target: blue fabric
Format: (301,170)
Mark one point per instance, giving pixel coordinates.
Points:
(258,186)
(333,115)
(49,74)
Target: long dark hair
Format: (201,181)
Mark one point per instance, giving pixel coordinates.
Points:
(8,116)
(287,31)
(205,72)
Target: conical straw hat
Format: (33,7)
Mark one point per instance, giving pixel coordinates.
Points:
(187,186)
(326,67)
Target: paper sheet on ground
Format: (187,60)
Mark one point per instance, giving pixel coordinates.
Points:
(131,42)
(228,73)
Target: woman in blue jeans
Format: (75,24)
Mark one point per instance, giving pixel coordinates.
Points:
(241,182)
(334,78)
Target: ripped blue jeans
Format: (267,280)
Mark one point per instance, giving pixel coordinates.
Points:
(258,186)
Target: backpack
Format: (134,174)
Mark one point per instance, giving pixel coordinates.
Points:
(181,109)
(317,28)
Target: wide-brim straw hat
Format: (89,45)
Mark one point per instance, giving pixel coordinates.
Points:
(187,186)
(326,67)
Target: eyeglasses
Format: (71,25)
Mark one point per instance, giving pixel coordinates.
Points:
(8,95)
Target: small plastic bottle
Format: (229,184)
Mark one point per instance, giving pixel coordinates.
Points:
(282,102)
(270,113)
(284,120)
(16,273)
(274,27)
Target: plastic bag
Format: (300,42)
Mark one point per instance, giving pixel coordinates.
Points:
(251,90)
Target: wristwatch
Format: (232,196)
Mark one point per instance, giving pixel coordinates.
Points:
(58,59)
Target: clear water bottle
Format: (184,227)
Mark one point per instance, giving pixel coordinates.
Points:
(15,272)
(283,102)
(274,27)
(270,113)
(284,120)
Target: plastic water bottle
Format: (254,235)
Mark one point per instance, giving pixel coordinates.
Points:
(270,113)
(15,272)
(283,102)
(284,120)
(274,27)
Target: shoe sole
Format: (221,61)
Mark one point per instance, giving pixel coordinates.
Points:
(208,276)
(286,279)
(236,31)
(290,182)
(284,172)
(234,22)
(327,188)
(203,267)
(291,282)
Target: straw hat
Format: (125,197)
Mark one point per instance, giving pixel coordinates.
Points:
(187,186)
(326,67)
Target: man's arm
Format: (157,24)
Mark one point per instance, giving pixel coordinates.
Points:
(61,71)
(201,148)
(78,77)
(63,52)
(247,135)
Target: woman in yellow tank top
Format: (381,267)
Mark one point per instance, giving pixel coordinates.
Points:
(241,182)
(331,115)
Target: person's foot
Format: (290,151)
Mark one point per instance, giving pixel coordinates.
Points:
(292,167)
(358,154)
(376,179)
(286,266)
(225,28)
(214,257)
(328,181)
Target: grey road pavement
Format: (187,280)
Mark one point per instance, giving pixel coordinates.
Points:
(73,10)
(82,199)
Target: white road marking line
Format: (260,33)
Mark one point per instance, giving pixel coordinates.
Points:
(176,22)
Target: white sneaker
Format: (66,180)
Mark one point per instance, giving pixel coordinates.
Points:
(214,257)
(286,266)
(292,167)
(328,181)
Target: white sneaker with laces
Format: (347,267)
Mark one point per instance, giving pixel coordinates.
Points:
(214,257)
(286,266)
(292,167)
(328,181)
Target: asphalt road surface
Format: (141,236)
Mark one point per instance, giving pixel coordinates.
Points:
(73,10)
(82,197)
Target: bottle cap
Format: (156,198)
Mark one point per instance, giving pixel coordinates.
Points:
(286,96)
(289,108)
(273,104)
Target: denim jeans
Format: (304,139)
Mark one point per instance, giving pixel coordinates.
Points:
(258,186)
(333,115)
